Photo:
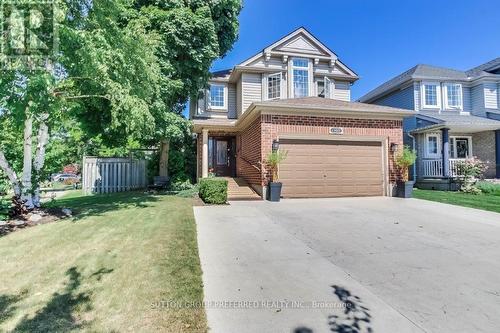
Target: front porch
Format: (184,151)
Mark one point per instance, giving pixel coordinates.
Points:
(441,150)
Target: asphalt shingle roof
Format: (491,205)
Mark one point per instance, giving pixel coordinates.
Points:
(334,104)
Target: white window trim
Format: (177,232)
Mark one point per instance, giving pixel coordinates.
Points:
(445,94)
(438,95)
(438,142)
(455,146)
(309,75)
(213,107)
(267,86)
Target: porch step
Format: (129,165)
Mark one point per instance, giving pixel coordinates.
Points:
(238,189)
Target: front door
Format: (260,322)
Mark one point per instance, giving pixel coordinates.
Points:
(223,160)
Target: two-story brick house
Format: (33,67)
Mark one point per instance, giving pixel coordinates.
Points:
(456,118)
(295,96)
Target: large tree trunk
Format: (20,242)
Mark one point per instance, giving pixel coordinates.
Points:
(165,146)
(14,181)
(43,138)
(27,190)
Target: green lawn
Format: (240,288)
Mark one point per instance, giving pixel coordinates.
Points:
(106,270)
(481,201)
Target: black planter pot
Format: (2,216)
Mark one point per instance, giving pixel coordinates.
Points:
(405,189)
(274,192)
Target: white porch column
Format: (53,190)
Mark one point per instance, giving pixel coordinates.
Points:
(204,154)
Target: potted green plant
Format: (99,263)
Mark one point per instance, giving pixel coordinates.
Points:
(273,161)
(404,158)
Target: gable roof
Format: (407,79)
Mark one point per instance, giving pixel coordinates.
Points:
(420,71)
(300,37)
(484,68)
(429,72)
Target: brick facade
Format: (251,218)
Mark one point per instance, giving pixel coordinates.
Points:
(248,153)
(483,147)
(255,141)
(275,125)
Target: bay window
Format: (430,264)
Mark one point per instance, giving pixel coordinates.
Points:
(300,71)
(274,86)
(324,88)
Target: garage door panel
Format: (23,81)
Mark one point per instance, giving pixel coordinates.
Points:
(316,168)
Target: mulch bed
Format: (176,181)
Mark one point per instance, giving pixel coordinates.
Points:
(31,219)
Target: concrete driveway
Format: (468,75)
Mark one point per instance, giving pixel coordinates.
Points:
(350,265)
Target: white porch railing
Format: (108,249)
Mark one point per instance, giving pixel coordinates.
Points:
(434,167)
(454,167)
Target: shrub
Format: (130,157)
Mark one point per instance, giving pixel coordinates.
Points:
(5,207)
(179,185)
(213,190)
(405,158)
(470,170)
(489,187)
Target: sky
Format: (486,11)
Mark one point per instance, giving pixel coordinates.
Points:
(377,39)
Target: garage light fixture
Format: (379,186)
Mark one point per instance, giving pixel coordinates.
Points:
(394,147)
(276,145)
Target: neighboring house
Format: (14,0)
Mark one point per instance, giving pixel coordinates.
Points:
(295,95)
(457,118)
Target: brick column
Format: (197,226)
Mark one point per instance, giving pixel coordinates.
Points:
(497,152)
(204,154)
(445,139)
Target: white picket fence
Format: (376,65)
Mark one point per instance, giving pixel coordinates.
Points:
(108,175)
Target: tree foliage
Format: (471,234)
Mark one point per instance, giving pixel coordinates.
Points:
(121,77)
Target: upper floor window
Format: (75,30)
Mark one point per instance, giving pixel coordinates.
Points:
(453,93)
(324,88)
(217,98)
(431,95)
(274,86)
(300,69)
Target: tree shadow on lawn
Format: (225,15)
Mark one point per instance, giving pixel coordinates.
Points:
(8,304)
(58,314)
(99,204)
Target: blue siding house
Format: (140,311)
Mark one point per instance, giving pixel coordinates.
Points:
(458,117)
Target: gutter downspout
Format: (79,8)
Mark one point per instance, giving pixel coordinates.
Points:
(414,167)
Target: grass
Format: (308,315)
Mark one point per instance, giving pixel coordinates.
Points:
(111,268)
(482,201)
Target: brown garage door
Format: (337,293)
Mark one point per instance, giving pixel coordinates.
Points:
(324,168)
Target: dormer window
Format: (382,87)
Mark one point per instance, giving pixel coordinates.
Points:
(431,95)
(274,86)
(300,70)
(453,93)
(217,96)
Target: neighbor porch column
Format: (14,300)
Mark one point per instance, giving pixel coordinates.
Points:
(204,154)
(497,152)
(445,138)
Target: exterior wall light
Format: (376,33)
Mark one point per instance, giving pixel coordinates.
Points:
(276,145)
(394,147)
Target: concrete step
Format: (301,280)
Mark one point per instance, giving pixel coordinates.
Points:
(239,189)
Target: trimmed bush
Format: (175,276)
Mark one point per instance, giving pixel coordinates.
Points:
(213,190)
(489,188)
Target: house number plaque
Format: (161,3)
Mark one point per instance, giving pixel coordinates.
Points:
(336,130)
